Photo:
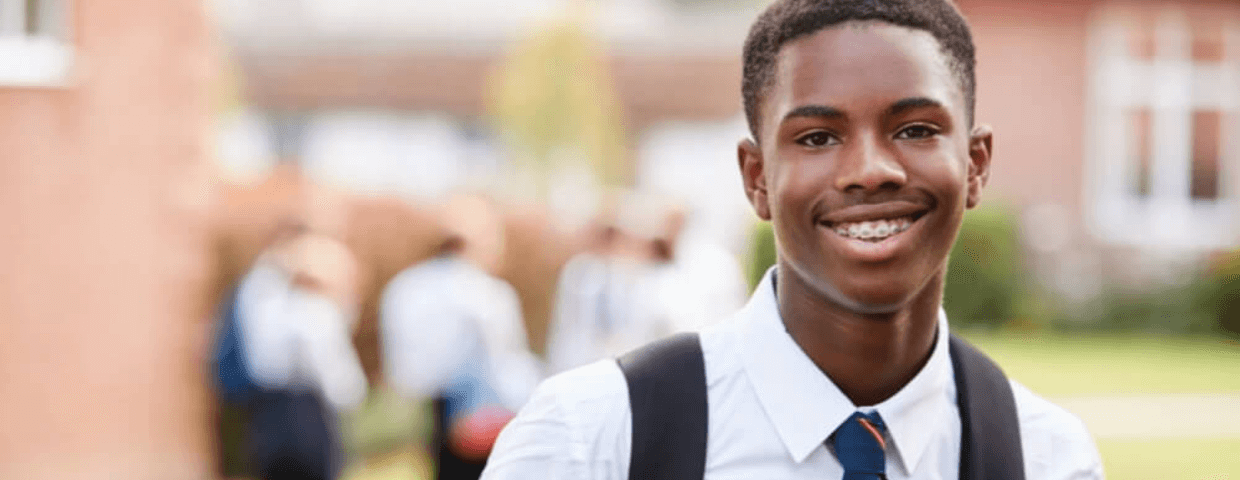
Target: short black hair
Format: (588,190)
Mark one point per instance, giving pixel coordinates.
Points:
(788,20)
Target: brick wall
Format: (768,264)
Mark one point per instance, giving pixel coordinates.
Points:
(102,198)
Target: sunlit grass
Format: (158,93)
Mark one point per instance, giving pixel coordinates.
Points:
(1057,365)
(1062,365)
(386,439)
(407,463)
(1187,459)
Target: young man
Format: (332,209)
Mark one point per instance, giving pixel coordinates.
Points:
(864,157)
(608,300)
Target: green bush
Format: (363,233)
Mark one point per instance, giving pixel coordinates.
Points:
(1208,302)
(761,252)
(1219,293)
(987,284)
(1163,310)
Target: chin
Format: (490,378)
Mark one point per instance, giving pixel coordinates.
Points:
(884,294)
(866,301)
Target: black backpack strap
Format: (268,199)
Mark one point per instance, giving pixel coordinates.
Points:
(667,394)
(990,446)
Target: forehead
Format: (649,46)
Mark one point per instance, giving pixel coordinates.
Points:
(871,61)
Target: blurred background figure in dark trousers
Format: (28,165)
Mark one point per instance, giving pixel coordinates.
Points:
(453,332)
(286,358)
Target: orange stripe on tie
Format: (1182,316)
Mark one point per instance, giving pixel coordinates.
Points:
(874,431)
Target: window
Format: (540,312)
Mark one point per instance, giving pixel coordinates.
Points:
(33,42)
(1163,119)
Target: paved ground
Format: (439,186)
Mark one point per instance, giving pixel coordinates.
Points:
(1158,416)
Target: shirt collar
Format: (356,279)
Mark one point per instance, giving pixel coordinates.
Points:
(806,406)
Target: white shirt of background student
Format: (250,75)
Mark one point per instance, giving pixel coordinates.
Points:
(432,313)
(296,337)
(622,296)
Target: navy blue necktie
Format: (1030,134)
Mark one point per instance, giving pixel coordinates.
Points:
(859,445)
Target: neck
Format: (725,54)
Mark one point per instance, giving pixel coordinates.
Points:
(869,357)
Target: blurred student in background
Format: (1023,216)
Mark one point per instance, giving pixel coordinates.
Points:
(286,354)
(452,330)
(698,280)
(636,281)
(594,295)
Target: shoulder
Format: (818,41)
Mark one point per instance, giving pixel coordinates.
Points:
(495,288)
(575,425)
(412,293)
(1055,442)
(598,387)
(578,265)
(721,351)
(412,279)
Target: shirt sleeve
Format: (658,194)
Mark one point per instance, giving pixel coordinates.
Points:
(576,426)
(1055,443)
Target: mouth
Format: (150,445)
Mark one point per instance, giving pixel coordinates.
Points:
(874,230)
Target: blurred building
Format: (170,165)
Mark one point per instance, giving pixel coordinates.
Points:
(1115,133)
(393,95)
(1115,121)
(103,145)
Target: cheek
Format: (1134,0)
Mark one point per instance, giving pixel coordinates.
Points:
(945,174)
(951,191)
(796,184)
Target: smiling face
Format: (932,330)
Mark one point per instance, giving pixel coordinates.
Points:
(866,164)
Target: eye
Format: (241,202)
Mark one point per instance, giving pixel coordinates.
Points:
(916,132)
(818,139)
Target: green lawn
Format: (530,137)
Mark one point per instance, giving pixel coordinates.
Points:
(407,463)
(1185,459)
(386,439)
(1058,365)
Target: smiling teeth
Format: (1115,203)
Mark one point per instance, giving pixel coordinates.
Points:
(874,230)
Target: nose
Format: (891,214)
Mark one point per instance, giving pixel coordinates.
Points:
(868,165)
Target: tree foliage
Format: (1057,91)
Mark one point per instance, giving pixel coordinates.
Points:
(554,100)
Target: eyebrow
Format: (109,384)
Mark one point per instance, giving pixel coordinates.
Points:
(901,106)
(815,111)
(912,103)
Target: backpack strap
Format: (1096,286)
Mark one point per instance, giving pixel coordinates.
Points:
(667,395)
(990,447)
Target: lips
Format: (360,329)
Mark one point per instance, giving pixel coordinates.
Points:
(874,232)
(875,212)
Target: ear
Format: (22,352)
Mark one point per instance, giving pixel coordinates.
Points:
(980,152)
(749,158)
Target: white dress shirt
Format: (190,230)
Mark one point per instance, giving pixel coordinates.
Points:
(294,339)
(770,411)
(604,307)
(433,314)
(702,285)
